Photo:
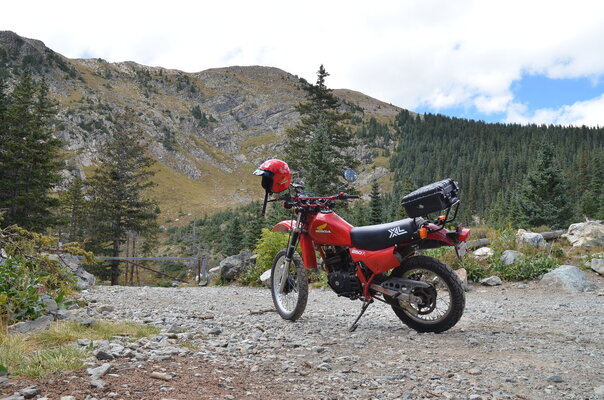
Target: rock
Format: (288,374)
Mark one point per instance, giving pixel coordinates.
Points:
(462,274)
(104,355)
(532,238)
(106,308)
(265,278)
(40,324)
(599,391)
(97,383)
(161,376)
(474,371)
(30,392)
(586,234)
(99,372)
(50,305)
(232,266)
(491,281)
(84,279)
(62,314)
(568,277)
(597,264)
(555,379)
(15,396)
(324,367)
(483,253)
(510,257)
(68,398)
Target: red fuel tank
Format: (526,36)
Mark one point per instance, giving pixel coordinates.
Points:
(329,229)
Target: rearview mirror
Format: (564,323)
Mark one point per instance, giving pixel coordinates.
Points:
(351,175)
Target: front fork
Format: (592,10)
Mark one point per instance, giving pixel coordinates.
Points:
(289,255)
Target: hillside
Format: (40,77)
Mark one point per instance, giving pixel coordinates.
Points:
(207,130)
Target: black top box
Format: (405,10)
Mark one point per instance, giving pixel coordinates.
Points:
(431,198)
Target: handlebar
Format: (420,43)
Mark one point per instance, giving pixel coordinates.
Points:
(312,201)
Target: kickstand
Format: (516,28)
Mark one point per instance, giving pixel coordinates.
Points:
(354,326)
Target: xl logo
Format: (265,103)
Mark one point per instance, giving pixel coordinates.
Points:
(396,232)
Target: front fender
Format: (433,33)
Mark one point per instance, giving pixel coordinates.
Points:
(306,244)
(284,226)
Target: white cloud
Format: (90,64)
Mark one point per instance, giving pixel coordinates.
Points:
(589,113)
(435,54)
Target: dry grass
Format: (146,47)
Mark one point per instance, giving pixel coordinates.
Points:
(53,351)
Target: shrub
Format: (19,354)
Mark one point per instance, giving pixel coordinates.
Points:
(267,247)
(19,283)
(473,267)
(529,267)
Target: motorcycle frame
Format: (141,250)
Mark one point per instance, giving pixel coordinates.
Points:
(369,263)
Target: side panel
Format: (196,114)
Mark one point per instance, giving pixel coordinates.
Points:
(330,229)
(378,261)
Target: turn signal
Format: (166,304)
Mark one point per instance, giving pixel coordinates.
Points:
(423,233)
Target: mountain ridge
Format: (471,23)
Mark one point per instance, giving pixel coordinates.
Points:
(206,129)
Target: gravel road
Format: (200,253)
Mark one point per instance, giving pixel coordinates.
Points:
(514,342)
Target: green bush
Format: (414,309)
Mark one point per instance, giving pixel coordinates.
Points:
(476,271)
(528,267)
(267,247)
(19,283)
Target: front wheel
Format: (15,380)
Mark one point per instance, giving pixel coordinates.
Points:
(436,308)
(290,293)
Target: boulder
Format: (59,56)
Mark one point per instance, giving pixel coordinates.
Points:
(232,266)
(491,281)
(39,324)
(483,253)
(532,238)
(586,234)
(265,278)
(569,278)
(597,264)
(510,257)
(84,279)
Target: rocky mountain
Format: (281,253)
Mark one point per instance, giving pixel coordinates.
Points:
(207,130)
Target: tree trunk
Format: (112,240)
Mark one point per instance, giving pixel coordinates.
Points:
(115,264)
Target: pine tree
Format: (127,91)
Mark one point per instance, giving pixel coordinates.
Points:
(118,192)
(29,155)
(253,232)
(375,204)
(543,198)
(320,115)
(319,180)
(233,237)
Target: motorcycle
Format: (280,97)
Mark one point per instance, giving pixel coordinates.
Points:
(378,262)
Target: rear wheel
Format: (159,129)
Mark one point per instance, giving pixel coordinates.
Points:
(436,308)
(291,301)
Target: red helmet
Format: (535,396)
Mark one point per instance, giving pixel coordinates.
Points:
(276,176)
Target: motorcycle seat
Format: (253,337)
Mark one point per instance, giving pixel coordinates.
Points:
(381,236)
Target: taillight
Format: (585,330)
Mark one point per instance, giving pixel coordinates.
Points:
(463,235)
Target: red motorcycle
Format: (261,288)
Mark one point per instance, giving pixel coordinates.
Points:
(376,262)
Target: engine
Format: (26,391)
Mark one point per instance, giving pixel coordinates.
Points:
(342,276)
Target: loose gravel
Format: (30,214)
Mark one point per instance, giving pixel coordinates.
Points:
(514,341)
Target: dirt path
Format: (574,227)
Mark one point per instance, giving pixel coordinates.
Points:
(512,343)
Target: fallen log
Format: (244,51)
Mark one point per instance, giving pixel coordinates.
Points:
(473,244)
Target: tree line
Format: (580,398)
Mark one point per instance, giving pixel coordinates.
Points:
(40,192)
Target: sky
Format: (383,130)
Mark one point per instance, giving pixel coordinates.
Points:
(511,61)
